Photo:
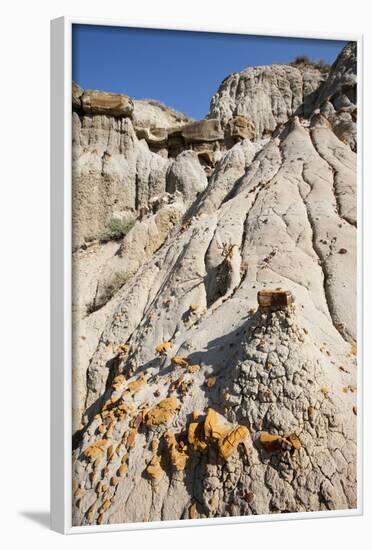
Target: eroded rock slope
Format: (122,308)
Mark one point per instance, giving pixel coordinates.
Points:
(215,342)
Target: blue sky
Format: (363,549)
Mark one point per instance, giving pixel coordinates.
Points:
(181,69)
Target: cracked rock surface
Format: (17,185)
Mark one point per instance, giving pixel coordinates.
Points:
(189,399)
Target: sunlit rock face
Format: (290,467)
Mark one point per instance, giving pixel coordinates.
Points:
(214,300)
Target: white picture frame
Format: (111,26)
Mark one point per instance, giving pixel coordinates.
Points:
(61,273)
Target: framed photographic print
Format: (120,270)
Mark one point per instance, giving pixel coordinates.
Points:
(206,288)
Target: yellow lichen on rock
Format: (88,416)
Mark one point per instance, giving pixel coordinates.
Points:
(162,412)
(78,493)
(114,481)
(271,443)
(193,369)
(294,440)
(118,381)
(193,511)
(95,451)
(211,381)
(105,506)
(163,347)
(154,470)
(228,444)
(110,403)
(90,511)
(177,455)
(122,349)
(131,437)
(215,425)
(196,436)
(123,470)
(134,386)
(179,360)
(100,519)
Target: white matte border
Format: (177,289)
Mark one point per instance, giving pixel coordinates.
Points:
(61,278)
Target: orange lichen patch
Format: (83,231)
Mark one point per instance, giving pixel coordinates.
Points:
(118,381)
(131,438)
(215,425)
(228,444)
(178,455)
(271,443)
(154,470)
(163,347)
(211,381)
(114,481)
(78,493)
(195,415)
(162,412)
(90,511)
(194,514)
(354,349)
(194,307)
(193,369)
(123,470)
(123,410)
(325,391)
(95,451)
(97,461)
(105,506)
(134,386)
(196,436)
(294,440)
(122,349)
(109,404)
(179,360)
(101,428)
(185,386)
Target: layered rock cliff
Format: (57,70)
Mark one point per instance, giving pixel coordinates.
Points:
(215,300)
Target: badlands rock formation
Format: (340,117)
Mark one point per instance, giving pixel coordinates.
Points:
(215,340)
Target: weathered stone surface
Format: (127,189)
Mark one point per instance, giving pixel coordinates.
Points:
(94,102)
(266,95)
(274,298)
(77,92)
(150,114)
(153,136)
(240,127)
(202,130)
(338,96)
(186,176)
(257,414)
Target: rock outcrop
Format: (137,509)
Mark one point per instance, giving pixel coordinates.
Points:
(215,340)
